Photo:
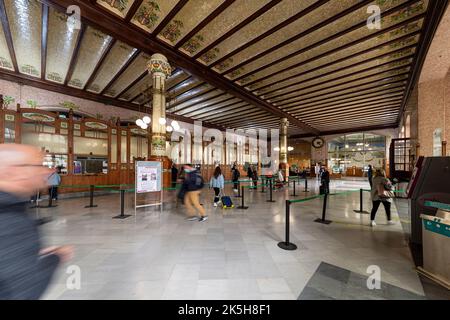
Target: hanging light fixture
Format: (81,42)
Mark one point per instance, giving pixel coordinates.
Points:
(146,120)
(140,122)
(175,125)
(169,129)
(290,148)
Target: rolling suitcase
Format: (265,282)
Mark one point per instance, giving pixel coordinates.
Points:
(227,203)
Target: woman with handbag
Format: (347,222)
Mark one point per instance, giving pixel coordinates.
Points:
(381,194)
(217,182)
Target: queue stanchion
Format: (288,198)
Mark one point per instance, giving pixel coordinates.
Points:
(286,245)
(122,206)
(263,184)
(242,206)
(91,197)
(306,185)
(361,205)
(294,195)
(239,189)
(324,210)
(271,191)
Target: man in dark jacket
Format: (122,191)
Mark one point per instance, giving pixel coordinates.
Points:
(235,175)
(370,175)
(25,268)
(193,184)
(325,179)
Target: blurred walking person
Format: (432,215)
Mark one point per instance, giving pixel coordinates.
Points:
(174,175)
(235,175)
(25,268)
(255,177)
(381,194)
(54,180)
(217,182)
(193,184)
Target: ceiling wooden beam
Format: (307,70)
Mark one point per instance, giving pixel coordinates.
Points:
(134,8)
(121,71)
(304,33)
(55,87)
(137,38)
(8,36)
(360,113)
(186,111)
(99,63)
(169,17)
(205,22)
(436,10)
(132,84)
(75,53)
(285,23)
(220,107)
(232,107)
(238,27)
(44,40)
(349,130)
(176,110)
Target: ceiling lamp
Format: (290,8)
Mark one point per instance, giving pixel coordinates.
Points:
(146,120)
(139,122)
(175,125)
(290,148)
(162,121)
(144,126)
(276,149)
(169,129)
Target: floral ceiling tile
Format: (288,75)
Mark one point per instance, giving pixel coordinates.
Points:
(311,19)
(348,21)
(61,44)
(5,57)
(367,44)
(227,20)
(143,85)
(152,12)
(119,7)
(25,21)
(134,71)
(92,47)
(115,60)
(194,12)
(276,15)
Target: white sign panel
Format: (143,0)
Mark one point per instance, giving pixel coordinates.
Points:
(148,176)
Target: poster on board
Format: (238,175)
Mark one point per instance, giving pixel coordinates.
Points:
(148,176)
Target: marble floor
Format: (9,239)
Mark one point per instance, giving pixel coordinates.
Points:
(233,255)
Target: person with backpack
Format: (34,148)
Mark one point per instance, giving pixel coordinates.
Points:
(193,184)
(217,182)
(235,175)
(324,180)
(381,193)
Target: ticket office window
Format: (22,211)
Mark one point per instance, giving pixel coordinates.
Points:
(138,147)
(91,153)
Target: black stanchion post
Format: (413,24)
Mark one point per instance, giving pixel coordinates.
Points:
(242,206)
(91,197)
(293,195)
(263,184)
(271,191)
(239,189)
(324,210)
(286,245)
(122,206)
(306,185)
(361,205)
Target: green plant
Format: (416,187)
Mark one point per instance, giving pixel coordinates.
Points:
(7,100)
(32,103)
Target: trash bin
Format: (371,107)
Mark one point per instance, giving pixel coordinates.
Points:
(436,246)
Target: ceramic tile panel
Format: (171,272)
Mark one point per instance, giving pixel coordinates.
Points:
(25,23)
(152,12)
(358,59)
(5,57)
(371,43)
(328,80)
(194,12)
(276,15)
(313,18)
(61,42)
(318,16)
(138,88)
(93,45)
(134,71)
(341,41)
(349,88)
(227,20)
(119,7)
(118,56)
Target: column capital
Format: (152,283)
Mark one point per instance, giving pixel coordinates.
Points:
(158,64)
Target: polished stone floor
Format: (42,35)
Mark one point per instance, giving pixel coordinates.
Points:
(233,255)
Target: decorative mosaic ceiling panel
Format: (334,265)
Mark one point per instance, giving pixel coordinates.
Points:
(191,15)
(118,56)
(119,7)
(93,46)
(25,23)
(152,12)
(5,57)
(227,20)
(61,43)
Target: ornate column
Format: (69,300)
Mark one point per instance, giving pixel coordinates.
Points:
(284,146)
(160,69)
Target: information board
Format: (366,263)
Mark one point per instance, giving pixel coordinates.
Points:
(148,176)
